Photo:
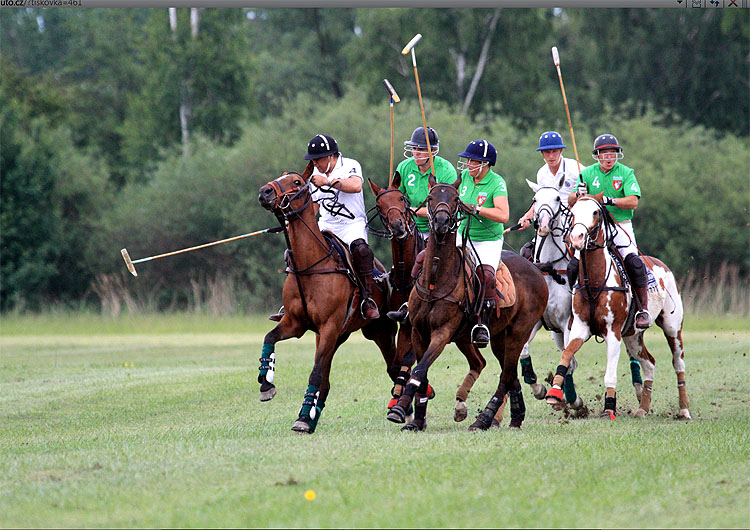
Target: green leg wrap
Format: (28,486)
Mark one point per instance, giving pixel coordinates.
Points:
(527,371)
(311,408)
(266,358)
(635,371)
(570,389)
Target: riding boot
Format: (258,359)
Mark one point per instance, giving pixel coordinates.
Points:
(527,251)
(480,334)
(642,317)
(572,272)
(400,314)
(368,307)
(636,269)
(363,262)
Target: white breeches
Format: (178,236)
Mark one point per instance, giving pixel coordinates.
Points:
(348,232)
(486,252)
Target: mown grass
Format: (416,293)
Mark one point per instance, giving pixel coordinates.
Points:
(155,422)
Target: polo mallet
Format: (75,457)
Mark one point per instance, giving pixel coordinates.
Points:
(131,263)
(556,60)
(410,47)
(393,99)
(512,228)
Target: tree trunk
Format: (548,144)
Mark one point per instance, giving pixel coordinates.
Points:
(482,61)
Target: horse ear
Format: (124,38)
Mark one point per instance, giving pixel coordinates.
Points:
(598,197)
(396,180)
(308,170)
(432,180)
(457,183)
(534,187)
(374,187)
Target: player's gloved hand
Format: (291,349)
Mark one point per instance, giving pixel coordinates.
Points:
(582,189)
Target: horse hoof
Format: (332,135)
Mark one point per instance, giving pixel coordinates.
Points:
(638,387)
(301,427)
(268,395)
(495,424)
(460,411)
(577,404)
(554,396)
(397,414)
(684,414)
(608,415)
(539,390)
(477,426)
(640,413)
(415,426)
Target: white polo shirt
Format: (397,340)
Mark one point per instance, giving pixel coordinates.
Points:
(347,229)
(568,168)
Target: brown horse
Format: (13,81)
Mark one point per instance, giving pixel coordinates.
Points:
(396,216)
(439,315)
(601,305)
(319,294)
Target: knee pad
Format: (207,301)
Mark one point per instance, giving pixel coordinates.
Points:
(637,270)
(486,275)
(361,253)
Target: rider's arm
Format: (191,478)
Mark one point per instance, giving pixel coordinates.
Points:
(351,184)
(526,218)
(627,203)
(498,212)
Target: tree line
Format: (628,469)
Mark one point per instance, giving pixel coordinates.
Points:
(153,129)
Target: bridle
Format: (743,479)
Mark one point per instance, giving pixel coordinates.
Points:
(285,197)
(443,207)
(403,211)
(559,221)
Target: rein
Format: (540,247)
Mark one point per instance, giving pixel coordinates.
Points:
(559,221)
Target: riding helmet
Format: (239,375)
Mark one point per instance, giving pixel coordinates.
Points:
(606,141)
(480,150)
(418,139)
(321,145)
(550,140)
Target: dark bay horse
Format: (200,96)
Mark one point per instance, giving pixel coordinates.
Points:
(438,315)
(396,216)
(318,295)
(600,307)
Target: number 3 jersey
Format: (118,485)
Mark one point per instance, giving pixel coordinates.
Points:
(619,182)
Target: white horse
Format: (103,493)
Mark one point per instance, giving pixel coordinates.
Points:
(551,217)
(600,307)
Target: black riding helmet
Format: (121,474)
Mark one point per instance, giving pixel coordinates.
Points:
(418,139)
(321,145)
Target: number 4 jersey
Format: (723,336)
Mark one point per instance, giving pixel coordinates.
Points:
(619,182)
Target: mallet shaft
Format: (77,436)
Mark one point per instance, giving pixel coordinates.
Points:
(202,246)
(556,60)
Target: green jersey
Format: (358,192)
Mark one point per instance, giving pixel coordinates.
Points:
(619,182)
(415,184)
(482,194)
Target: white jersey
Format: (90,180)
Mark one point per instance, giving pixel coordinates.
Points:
(568,172)
(344,227)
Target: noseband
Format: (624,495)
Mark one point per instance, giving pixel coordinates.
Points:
(444,207)
(284,198)
(404,212)
(592,233)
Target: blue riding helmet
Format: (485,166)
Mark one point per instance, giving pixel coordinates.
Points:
(550,140)
(480,150)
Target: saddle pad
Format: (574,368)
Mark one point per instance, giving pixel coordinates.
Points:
(505,287)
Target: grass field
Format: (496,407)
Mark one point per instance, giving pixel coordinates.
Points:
(155,422)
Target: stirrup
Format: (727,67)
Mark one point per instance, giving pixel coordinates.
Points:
(278,315)
(400,314)
(369,303)
(648,317)
(480,343)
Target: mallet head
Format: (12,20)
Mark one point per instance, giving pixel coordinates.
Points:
(391,91)
(555,56)
(128,262)
(411,44)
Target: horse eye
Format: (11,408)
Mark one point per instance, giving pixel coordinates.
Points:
(297,182)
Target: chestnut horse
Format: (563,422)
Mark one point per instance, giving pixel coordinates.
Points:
(318,295)
(438,313)
(600,307)
(393,210)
